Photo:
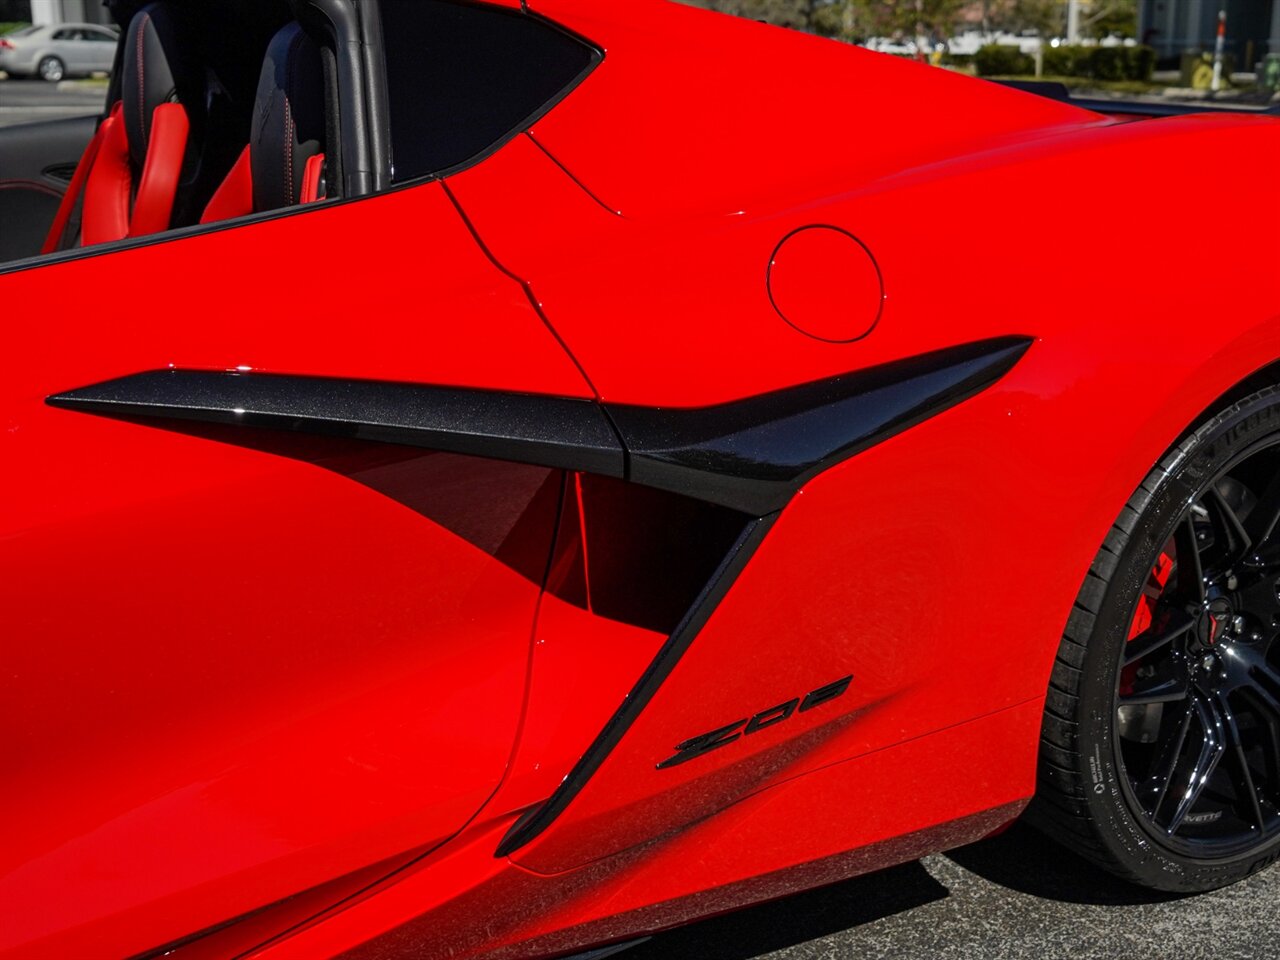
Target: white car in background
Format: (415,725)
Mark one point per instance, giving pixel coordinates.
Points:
(971,41)
(53,52)
(898,47)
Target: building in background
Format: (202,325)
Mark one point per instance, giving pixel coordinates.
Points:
(1175,27)
(53,11)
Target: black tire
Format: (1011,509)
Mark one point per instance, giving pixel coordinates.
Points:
(1086,797)
(51,69)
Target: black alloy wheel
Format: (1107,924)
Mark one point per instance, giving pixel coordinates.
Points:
(1198,690)
(1160,748)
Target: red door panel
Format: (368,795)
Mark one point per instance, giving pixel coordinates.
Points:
(393,287)
(241,664)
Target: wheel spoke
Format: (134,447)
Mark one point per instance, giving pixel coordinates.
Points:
(1190,584)
(1165,764)
(1246,789)
(1173,623)
(1261,522)
(1268,718)
(1264,676)
(1170,691)
(1231,542)
(1267,702)
(1212,748)
(1166,682)
(1266,709)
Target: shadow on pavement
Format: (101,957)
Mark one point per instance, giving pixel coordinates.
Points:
(794,920)
(1021,859)
(1025,860)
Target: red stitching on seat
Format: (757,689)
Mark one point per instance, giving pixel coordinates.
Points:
(290,128)
(288,147)
(140,43)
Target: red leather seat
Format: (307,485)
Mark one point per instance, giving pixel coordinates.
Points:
(129,175)
(284,163)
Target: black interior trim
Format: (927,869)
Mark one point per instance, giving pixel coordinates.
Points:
(339,21)
(37,161)
(375,78)
(332,125)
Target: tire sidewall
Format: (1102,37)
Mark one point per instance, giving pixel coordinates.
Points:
(1192,466)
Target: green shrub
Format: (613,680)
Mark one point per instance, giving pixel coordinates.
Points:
(995,60)
(9,27)
(1142,63)
(1100,63)
(1056,62)
(1081,61)
(1108,63)
(1066,61)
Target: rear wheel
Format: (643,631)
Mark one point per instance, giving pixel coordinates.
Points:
(51,69)
(1160,751)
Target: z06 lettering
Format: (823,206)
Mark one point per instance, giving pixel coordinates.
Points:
(723,736)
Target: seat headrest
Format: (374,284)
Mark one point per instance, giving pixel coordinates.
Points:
(288,119)
(157,68)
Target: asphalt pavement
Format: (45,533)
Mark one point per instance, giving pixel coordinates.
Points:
(1014,897)
(25,101)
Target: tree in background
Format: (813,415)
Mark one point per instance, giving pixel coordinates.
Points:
(1046,17)
(858,19)
(878,18)
(1099,18)
(833,20)
(784,13)
(1112,17)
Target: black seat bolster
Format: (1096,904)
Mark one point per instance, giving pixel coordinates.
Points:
(156,69)
(288,119)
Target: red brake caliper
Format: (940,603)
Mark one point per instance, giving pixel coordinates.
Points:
(1144,616)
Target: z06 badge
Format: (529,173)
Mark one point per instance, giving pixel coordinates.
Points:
(723,736)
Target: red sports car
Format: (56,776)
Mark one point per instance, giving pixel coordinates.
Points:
(501,479)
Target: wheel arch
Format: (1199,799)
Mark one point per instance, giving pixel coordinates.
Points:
(1266,376)
(1247,362)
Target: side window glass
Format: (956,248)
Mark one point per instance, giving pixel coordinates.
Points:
(463,79)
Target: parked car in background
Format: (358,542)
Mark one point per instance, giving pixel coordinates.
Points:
(970,42)
(901,47)
(55,52)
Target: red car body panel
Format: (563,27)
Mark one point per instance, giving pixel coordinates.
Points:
(172,764)
(296,698)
